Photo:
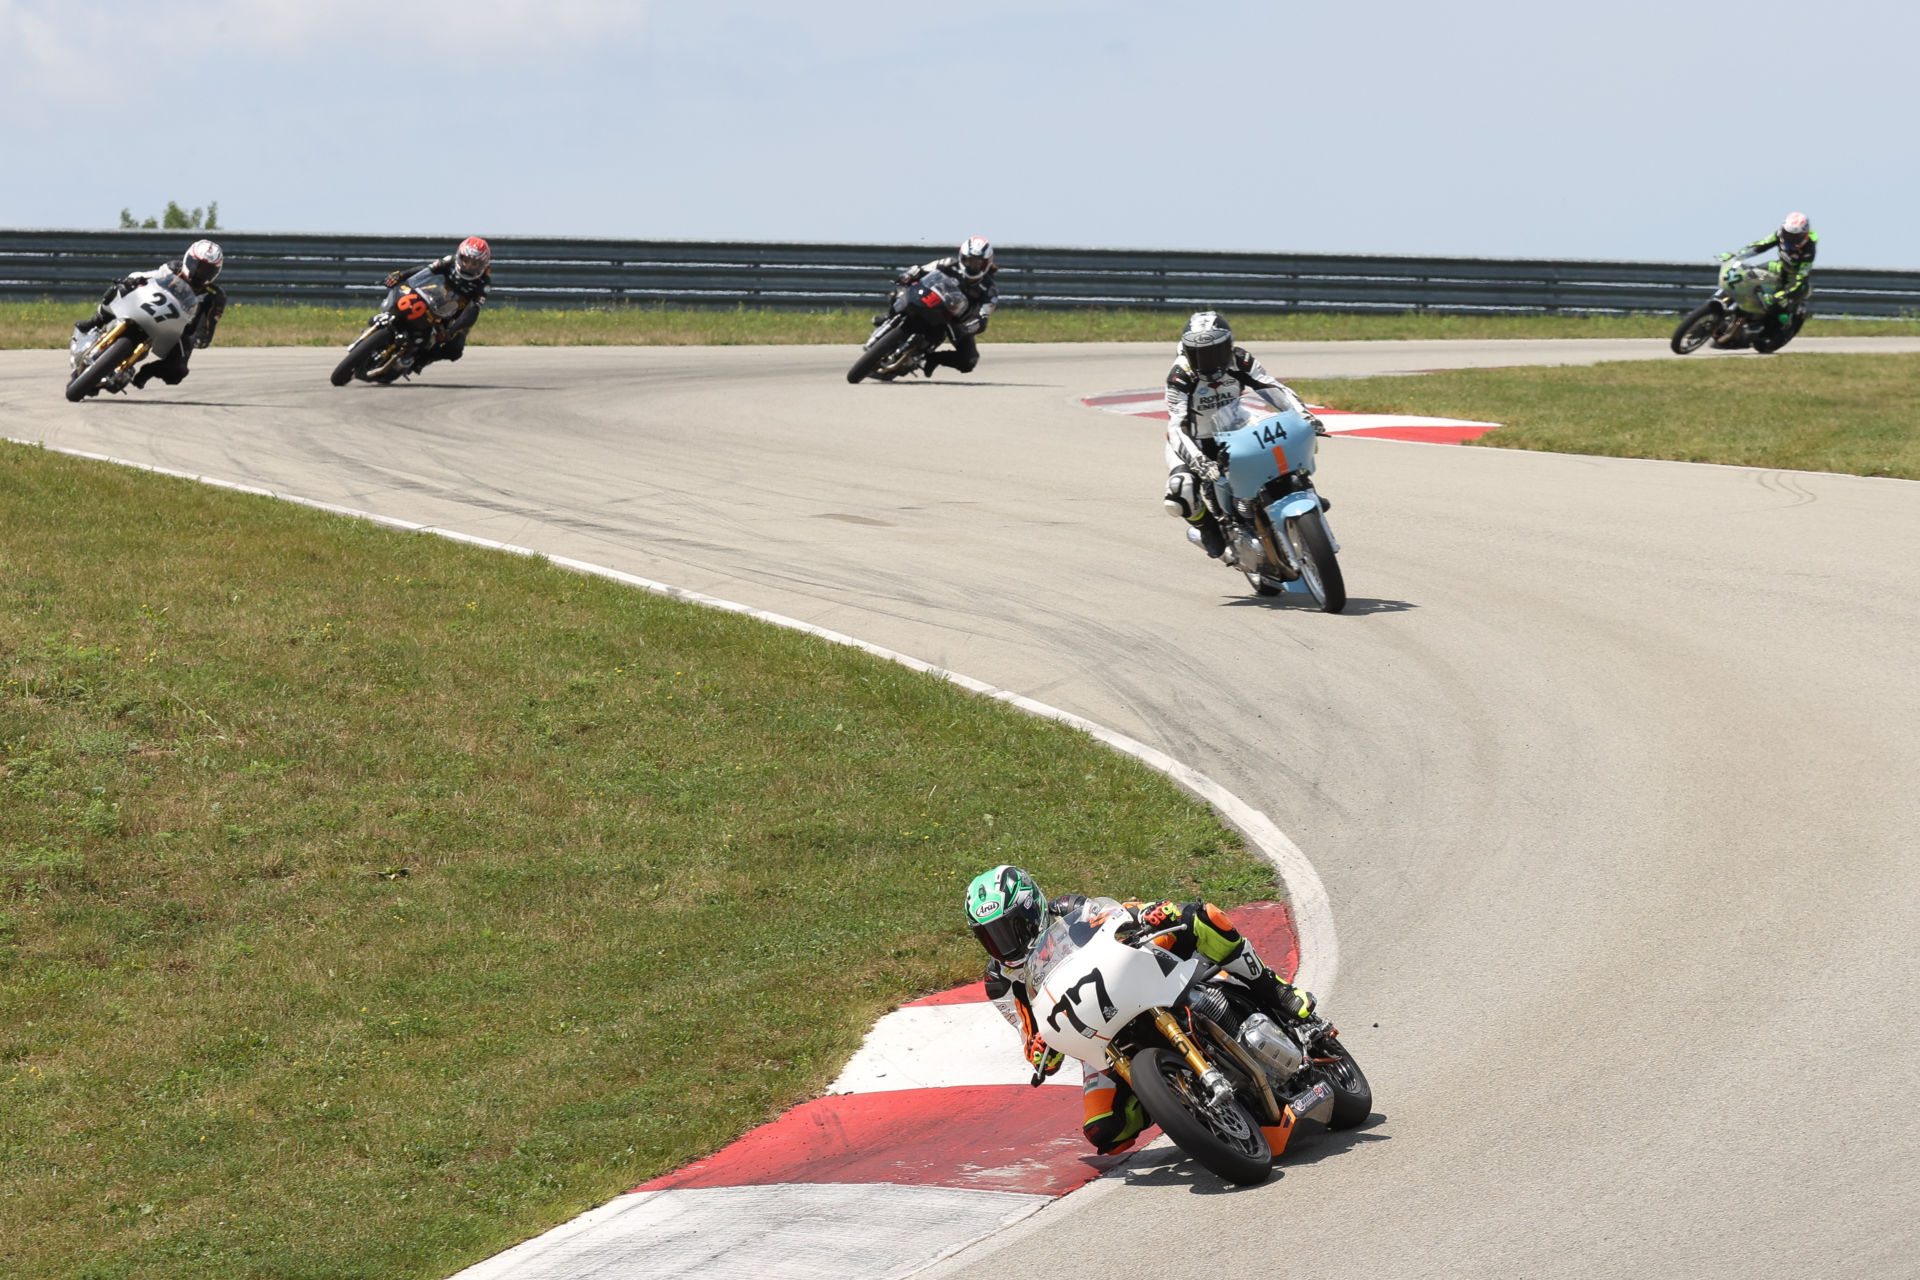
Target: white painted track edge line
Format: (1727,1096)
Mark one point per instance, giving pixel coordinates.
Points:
(1306,894)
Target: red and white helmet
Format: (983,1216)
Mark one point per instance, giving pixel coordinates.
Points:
(201,263)
(472,258)
(976,257)
(1795,230)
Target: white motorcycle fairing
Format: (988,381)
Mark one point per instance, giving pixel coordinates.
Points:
(160,308)
(1086,986)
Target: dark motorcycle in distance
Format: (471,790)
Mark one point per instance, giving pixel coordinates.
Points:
(406,327)
(921,317)
(1738,314)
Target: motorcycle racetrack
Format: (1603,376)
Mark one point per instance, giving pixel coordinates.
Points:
(1608,768)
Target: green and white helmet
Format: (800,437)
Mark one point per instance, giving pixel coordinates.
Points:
(1006,911)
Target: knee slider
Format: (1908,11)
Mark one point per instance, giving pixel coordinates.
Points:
(1183,495)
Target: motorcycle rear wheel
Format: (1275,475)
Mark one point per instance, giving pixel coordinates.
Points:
(357,355)
(876,355)
(1168,1089)
(1696,330)
(88,380)
(1352,1095)
(1319,567)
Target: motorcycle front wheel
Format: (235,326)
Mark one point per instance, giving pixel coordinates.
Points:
(1226,1140)
(358,356)
(1696,330)
(89,379)
(1319,567)
(883,347)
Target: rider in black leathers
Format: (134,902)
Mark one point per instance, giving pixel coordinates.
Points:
(973,267)
(468,271)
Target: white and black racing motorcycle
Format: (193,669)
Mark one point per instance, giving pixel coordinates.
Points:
(1214,1072)
(150,319)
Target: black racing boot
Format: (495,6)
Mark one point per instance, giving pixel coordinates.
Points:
(1212,541)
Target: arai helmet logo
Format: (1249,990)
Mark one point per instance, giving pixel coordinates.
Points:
(988,908)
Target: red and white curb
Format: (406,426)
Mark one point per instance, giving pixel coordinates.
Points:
(1339,422)
(931,1138)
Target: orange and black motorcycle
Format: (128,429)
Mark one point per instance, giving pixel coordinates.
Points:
(408,324)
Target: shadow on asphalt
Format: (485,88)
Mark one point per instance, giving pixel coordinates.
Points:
(1172,1167)
(954,382)
(1357,607)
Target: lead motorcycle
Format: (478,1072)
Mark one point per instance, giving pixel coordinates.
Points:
(1738,314)
(1213,1071)
(920,317)
(149,319)
(407,325)
(1260,488)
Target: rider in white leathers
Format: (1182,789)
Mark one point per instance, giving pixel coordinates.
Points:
(1204,387)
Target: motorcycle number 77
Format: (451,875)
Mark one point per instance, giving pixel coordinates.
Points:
(1071,998)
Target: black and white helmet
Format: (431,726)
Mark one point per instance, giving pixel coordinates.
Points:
(1207,342)
(976,257)
(201,263)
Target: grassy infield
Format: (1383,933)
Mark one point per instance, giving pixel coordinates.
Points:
(368,902)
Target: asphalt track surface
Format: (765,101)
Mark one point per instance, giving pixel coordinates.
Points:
(1609,768)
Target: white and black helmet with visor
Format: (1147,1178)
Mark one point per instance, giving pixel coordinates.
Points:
(976,257)
(201,263)
(1207,343)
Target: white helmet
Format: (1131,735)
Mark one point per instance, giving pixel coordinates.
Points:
(201,263)
(1207,342)
(976,257)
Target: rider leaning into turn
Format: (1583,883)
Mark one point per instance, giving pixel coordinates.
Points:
(1797,244)
(468,271)
(1204,387)
(1008,913)
(973,267)
(199,266)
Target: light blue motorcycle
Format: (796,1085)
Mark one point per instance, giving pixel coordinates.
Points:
(1274,521)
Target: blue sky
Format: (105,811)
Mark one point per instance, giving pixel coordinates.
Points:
(1633,130)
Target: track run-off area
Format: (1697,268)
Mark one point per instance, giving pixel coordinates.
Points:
(1609,768)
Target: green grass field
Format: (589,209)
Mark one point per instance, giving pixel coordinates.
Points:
(369,902)
(48,324)
(1853,413)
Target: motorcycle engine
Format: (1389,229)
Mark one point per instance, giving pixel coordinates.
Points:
(1247,552)
(1272,1047)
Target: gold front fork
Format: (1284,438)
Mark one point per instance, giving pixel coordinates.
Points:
(1179,1040)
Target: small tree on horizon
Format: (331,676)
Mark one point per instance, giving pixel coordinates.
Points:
(175,218)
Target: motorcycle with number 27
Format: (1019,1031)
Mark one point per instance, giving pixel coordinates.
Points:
(1741,313)
(149,319)
(1221,1078)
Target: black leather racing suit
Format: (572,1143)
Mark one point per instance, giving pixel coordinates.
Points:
(982,297)
(453,335)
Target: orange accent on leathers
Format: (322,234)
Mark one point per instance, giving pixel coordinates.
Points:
(1099,1104)
(1219,919)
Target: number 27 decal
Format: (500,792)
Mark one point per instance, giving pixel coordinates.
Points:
(151,307)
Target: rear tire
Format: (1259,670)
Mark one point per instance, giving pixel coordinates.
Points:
(357,354)
(1162,1080)
(1352,1095)
(884,345)
(1696,330)
(88,380)
(1319,567)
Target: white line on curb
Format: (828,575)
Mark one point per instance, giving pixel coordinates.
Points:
(1312,910)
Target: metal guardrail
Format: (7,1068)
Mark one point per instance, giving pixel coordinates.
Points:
(559,272)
